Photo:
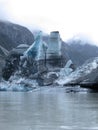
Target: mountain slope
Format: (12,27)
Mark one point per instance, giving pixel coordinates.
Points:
(74,55)
(11,35)
(81,50)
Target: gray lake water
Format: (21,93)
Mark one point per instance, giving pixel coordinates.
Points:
(48,109)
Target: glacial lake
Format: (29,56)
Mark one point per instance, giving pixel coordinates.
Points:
(48,109)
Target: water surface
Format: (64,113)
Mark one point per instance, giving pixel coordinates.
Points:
(48,109)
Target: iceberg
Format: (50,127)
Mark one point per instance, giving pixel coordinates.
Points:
(30,61)
(66,70)
(18,83)
(42,51)
(54,45)
(33,50)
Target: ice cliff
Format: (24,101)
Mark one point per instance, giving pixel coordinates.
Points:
(40,65)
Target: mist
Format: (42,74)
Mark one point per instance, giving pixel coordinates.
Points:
(3,11)
(67,16)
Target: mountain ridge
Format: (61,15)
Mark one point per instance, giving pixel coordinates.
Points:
(11,35)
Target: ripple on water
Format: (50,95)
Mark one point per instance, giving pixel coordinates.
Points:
(78,128)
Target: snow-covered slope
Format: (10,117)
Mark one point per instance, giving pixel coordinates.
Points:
(88,71)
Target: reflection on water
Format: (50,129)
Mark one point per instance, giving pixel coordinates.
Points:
(48,110)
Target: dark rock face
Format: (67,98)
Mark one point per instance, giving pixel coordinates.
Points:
(11,35)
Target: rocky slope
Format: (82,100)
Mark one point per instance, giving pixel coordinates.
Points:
(11,35)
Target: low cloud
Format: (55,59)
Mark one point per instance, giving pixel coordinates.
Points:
(3,10)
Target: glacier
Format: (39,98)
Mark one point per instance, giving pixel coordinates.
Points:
(32,51)
(33,72)
(54,45)
(82,73)
(19,83)
(66,70)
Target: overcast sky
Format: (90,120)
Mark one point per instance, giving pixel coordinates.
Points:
(68,16)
